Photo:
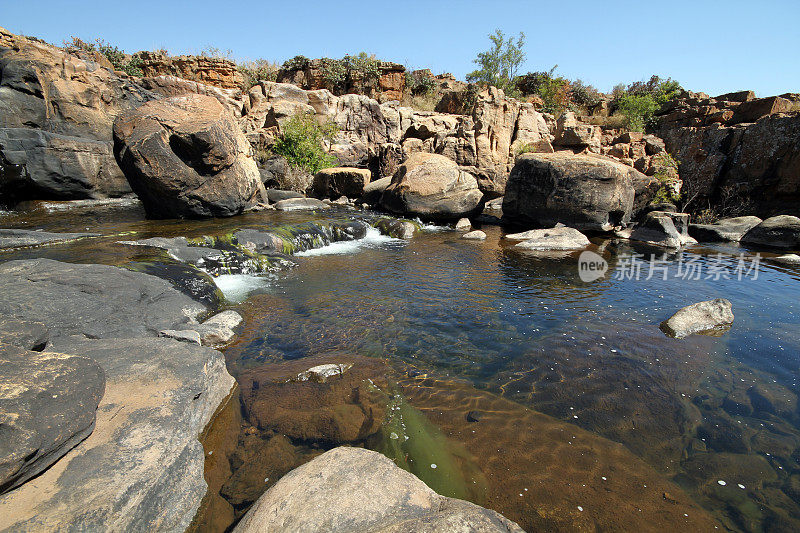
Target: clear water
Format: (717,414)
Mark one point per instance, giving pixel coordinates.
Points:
(470,324)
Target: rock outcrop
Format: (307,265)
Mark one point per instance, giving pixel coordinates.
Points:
(432,186)
(737,152)
(185,157)
(215,71)
(585,192)
(352,490)
(47,406)
(712,315)
(58,111)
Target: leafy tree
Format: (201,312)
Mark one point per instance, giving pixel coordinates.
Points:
(554,90)
(302,143)
(639,102)
(499,65)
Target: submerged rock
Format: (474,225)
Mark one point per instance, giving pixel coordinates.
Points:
(561,238)
(782,231)
(397,228)
(16,238)
(339,409)
(703,316)
(582,191)
(47,406)
(724,230)
(186,157)
(432,186)
(142,467)
(352,490)
(476,235)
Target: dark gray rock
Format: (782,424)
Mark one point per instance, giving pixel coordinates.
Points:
(23,333)
(581,191)
(724,230)
(16,238)
(142,467)
(96,301)
(340,181)
(374,190)
(663,229)
(782,231)
(352,490)
(47,406)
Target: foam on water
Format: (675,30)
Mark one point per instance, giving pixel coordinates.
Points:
(237,287)
(373,239)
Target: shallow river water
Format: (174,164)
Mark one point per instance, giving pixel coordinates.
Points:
(561,400)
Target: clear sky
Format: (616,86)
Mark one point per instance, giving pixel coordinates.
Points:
(707,45)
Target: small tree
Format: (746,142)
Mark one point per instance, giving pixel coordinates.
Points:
(499,65)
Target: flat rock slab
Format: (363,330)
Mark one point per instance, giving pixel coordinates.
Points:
(25,334)
(298,204)
(96,301)
(353,490)
(18,238)
(47,406)
(782,231)
(724,230)
(142,467)
(561,238)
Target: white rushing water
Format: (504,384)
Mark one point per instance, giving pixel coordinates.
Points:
(373,239)
(237,287)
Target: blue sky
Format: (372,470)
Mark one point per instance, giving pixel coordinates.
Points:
(707,45)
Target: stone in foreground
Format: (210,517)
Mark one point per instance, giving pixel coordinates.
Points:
(16,238)
(353,490)
(47,406)
(581,191)
(711,315)
(724,230)
(782,231)
(432,186)
(185,157)
(555,239)
(142,467)
(96,301)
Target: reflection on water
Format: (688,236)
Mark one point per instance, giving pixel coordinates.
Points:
(547,382)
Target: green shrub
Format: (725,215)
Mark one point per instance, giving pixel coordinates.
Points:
(118,59)
(666,172)
(583,94)
(554,90)
(334,74)
(296,63)
(302,143)
(419,82)
(639,101)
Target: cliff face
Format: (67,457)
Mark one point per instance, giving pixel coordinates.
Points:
(737,152)
(214,71)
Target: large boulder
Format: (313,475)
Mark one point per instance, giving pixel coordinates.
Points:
(47,406)
(340,181)
(571,132)
(432,186)
(186,157)
(711,315)
(58,110)
(724,230)
(141,469)
(782,231)
(92,300)
(582,191)
(352,490)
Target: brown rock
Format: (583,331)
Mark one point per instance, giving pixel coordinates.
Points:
(215,71)
(341,181)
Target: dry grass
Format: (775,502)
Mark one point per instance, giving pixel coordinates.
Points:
(616,122)
(421,102)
